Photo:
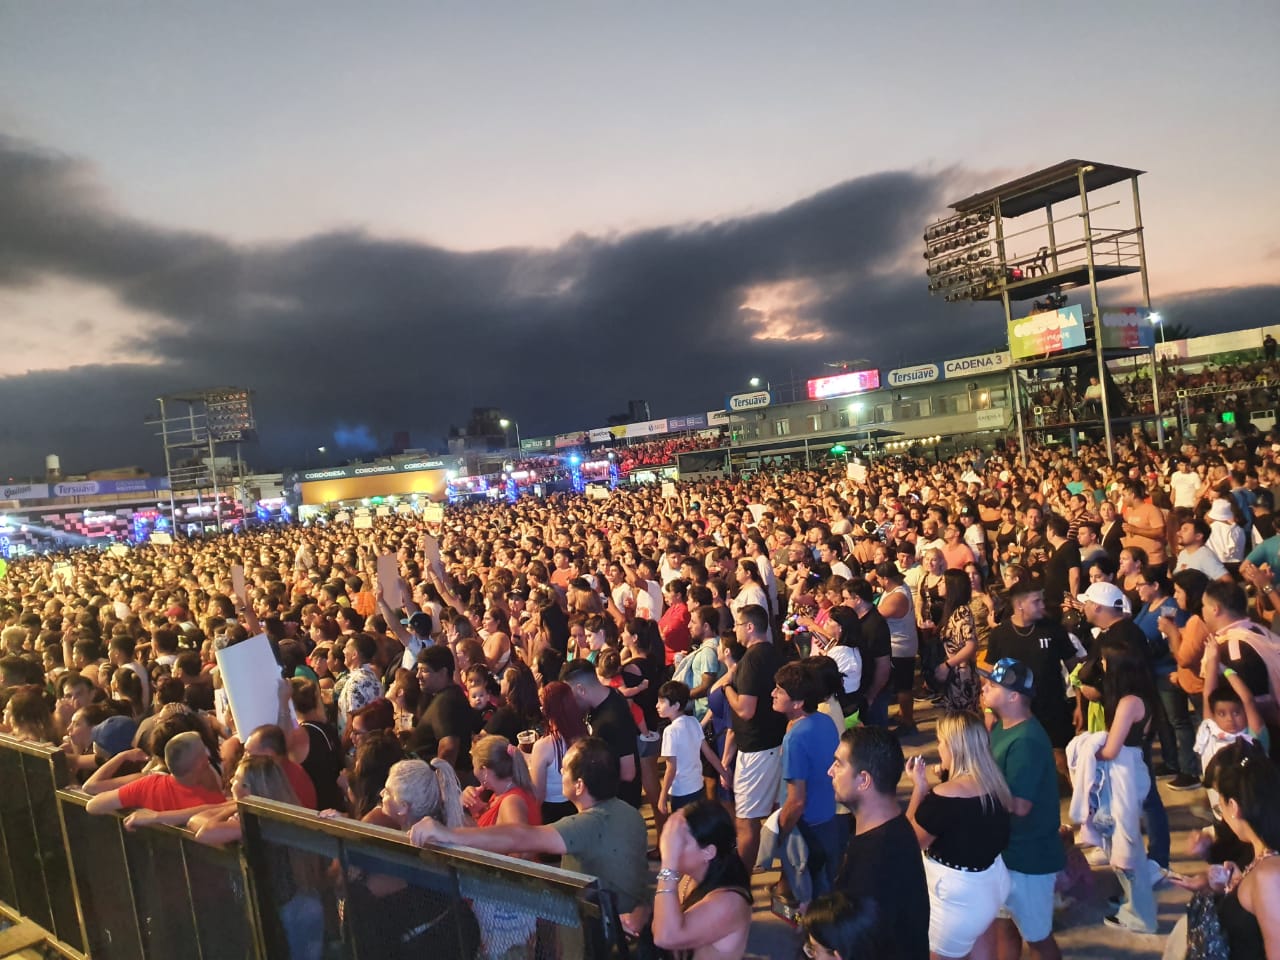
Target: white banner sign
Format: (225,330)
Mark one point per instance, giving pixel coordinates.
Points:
(992,419)
(389,580)
(251,677)
(983,363)
(908,376)
(24,491)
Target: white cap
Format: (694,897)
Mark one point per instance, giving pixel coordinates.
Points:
(1106,595)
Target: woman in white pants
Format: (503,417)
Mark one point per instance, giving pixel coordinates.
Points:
(962,825)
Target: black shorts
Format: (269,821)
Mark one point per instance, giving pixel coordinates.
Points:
(902,674)
(1057,724)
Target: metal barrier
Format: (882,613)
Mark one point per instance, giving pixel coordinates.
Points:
(35,868)
(385,898)
(297,887)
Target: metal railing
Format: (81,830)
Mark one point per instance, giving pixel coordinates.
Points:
(36,879)
(298,886)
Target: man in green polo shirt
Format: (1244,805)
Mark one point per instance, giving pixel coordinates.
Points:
(1034,855)
(606,838)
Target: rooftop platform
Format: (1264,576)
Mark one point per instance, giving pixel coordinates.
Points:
(1035,191)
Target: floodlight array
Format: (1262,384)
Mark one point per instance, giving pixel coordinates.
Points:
(961,257)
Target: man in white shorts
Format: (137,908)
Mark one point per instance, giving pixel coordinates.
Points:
(757,729)
(1034,856)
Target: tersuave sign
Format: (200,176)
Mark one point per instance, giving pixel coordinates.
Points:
(756,400)
(909,376)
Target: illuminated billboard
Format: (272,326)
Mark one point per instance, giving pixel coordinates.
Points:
(844,384)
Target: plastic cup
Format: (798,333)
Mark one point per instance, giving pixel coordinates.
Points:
(526,739)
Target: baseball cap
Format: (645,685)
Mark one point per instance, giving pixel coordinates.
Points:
(419,623)
(1012,675)
(114,735)
(1106,595)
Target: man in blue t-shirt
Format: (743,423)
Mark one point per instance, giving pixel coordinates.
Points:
(807,750)
(1034,856)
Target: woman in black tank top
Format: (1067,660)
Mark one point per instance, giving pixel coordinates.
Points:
(700,861)
(1249,785)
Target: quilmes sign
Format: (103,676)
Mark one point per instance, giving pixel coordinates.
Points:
(983,363)
(909,376)
(740,402)
(25,491)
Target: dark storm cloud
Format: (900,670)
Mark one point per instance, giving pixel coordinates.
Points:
(352,332)
(1203,312)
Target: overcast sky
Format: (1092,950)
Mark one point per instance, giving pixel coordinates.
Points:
(378,215)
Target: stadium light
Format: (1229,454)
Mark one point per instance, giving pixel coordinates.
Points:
(1158,321)
(506,424)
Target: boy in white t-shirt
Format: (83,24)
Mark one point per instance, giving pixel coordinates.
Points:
(683,747)
(1231,714)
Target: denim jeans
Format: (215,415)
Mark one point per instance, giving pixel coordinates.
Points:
(1137,901)
(303,922)
(1158,840)
(1178,750)
(877,714)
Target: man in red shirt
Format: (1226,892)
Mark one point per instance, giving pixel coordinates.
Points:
(269,741)
(191,785)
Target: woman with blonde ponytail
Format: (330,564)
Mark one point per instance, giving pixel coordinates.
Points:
(386,915)
(501,769)
(416,789)
(504,776)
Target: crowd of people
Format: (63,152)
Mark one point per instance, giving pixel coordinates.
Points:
(1207,389)
(657,453)
(739,666)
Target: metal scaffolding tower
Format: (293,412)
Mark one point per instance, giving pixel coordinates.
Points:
(192,424)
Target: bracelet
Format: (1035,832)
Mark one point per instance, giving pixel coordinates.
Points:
(1269,588)
(1228,672)
(666,873)
(666,890)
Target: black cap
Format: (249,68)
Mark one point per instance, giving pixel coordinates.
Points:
(419,623)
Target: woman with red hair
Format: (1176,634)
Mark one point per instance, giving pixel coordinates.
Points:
(565,726)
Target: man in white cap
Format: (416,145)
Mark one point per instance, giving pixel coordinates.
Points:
(1194,555)
(1108,609)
